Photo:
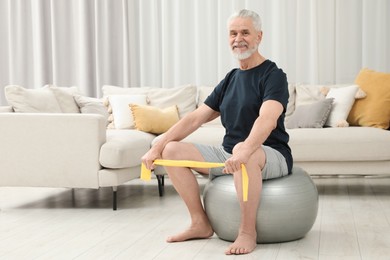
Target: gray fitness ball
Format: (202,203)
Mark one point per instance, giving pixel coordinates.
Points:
(288,207)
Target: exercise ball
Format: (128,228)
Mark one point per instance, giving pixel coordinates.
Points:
(287,211)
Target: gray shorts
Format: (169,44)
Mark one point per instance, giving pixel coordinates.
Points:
(275,163)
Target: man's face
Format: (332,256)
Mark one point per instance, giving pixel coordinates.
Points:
(243,38)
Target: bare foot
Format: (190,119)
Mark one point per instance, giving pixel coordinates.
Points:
(194,232)
(244,244)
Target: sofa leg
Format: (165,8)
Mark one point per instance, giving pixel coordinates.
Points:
(160,180)
(114,199)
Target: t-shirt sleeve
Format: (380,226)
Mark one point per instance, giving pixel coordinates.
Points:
(276,87)
(214,100)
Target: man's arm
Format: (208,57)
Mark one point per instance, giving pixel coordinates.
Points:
(267,121)
(262,128)
(179,131)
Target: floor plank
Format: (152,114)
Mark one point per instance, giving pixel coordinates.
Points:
(353,222)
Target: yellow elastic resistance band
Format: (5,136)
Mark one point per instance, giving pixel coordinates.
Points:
(147,174)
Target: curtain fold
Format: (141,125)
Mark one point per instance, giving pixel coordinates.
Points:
(166,43)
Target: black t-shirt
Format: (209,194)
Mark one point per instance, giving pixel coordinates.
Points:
(238,98)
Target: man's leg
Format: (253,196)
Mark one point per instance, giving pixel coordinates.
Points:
(187,186)
(246,239)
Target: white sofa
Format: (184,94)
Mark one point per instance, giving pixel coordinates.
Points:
(76,150)
(63,150)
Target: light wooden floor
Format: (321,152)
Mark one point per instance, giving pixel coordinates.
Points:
(43,223)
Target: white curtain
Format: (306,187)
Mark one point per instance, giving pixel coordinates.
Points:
(166,43)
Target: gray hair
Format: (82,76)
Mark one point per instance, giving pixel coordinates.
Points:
(244,13)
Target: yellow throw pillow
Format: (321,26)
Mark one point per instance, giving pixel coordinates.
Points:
(374,109)
(152,119)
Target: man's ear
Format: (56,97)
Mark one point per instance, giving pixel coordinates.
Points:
(259,36)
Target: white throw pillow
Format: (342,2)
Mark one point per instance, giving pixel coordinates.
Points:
(123,119)
(343,101)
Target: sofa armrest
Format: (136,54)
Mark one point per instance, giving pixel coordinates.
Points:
(50,150)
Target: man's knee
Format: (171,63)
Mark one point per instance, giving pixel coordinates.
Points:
(258,157)
(181,151)
(170,150)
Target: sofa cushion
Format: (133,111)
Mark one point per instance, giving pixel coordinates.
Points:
(64,96)
(6,109)
(48,99)
(340,144)
(32,100)
(374,110)
(307,94)
(124,148)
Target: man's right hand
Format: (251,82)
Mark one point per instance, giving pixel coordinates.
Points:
(148,158)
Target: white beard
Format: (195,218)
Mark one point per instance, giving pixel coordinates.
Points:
(244,55)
